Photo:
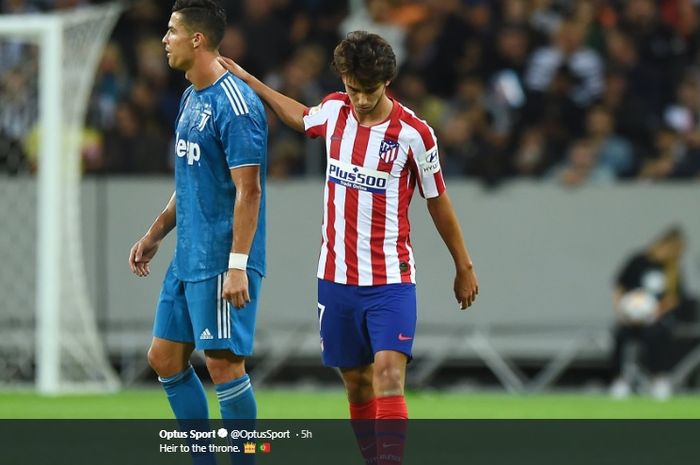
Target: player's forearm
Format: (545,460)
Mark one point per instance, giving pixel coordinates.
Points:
(618,292)
(667,304)
(287,109)
(164,223)
(448,227)
(245,219)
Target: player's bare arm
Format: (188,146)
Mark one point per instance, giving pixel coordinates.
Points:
(287,109)
(466,286)
(145,248)
(245,222)
(618,292)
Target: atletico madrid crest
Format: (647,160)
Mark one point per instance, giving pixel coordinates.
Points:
(388,150)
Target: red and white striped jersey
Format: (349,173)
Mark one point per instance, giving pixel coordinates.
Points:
(370,177)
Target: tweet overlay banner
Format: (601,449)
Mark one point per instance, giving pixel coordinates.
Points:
(337,442)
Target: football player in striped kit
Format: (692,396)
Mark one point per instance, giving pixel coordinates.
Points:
(377,151)
(209,296)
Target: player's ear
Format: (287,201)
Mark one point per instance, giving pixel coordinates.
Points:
(198,40)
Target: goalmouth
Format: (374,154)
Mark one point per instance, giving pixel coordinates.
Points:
(68,353)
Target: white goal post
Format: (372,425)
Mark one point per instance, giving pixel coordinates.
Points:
(69,354)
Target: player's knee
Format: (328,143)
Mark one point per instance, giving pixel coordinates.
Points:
(358,385)
(388,380)
(224,368)
(164,363)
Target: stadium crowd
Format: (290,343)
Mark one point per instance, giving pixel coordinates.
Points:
(567,91)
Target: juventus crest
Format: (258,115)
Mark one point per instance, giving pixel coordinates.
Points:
(204,117)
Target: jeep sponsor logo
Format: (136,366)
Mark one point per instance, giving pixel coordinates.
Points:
(357,177)
(185,148)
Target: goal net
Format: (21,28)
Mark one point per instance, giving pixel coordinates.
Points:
(48,331)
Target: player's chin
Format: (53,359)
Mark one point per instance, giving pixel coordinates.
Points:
(173,63)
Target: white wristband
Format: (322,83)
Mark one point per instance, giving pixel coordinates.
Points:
(238,261)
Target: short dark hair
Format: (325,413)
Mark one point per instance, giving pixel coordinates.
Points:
(205,16)
(366,58)
(673,233)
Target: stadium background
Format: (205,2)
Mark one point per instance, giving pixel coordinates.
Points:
(558,171)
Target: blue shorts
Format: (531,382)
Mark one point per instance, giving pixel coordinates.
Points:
(195,313)
(356,322)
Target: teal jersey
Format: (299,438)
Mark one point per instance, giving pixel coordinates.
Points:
(219,128)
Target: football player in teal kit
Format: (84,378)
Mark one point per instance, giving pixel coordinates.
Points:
(210,292)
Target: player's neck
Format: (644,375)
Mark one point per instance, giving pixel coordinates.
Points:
(205,71)
(380,113)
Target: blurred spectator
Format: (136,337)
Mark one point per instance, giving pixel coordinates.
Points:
(595,18)
(631,116)
(421,48)
(448,46)
(684,114)
(613,151)
(18,114)
(672,158)
(268,32)
(661,51)
(286,158)
(545,17)
(414,94)
(510,51)
(516,12)
(459,146)
(154,107)
(623,59)
(582,166)
(298,79)
(532,153)
(235,46)
(505,74)
(128,149)
(376,16)
(683,17)
(111,85)
(568,50)
(557,113)
(18,6)
(649,295)
(512,85)
(661,163)
(318,22)
(13,159)
(19,102)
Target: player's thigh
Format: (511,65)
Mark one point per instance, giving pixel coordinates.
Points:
(391,318)
(215,323)
(344,339)
(172,319)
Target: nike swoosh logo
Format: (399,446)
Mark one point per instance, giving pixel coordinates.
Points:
(385,445)
(404,338)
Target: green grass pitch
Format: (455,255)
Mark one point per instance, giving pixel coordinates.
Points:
(290,404)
